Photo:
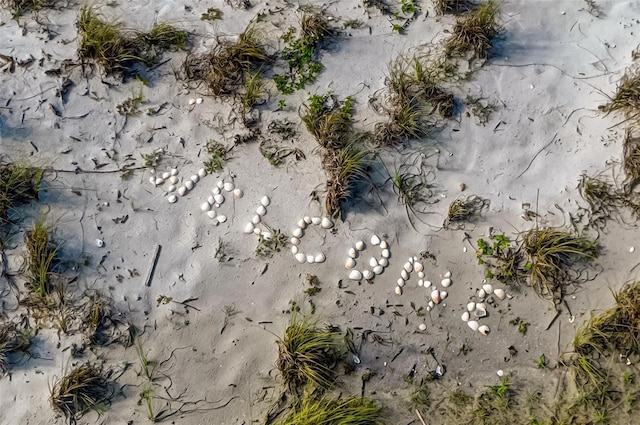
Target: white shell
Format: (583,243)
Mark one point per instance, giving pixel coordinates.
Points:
(205,207)
(385,253)
(257,231)
(421,275)
(378,269)
(174,179)
(222,218)
(481,305)
(445,282)
(181,191)
(352,253)
(398,290)
(465,316)
(166,175)
(480,312)
(261,210)
(99,243)
(174,172)
(302,224)
(410,260)
(471,306)
(307,219)
(355,275)
(484,329)
(408,267)
(295,241)
(473,325)
(481,293)
(422,327)
(350,263)
(443,295)
(404,275)
(199,100)
(418,267)
(435,296)
(400,281)
(359,245)
(294,249)
(228,187)
(192,101)
(194,178)
(420,282)
(383,262)
(220,184)
(248,228)
(188,184)
(367,274)
(219,198)
(320,258)
(498,292)
(447,274)
(430,305)
(211,214)
(238,193)
(171,188)
(267,235)
(301,257)
(427,283)
(159,181)
(500,372)
(488,289)
(255,219)
(311,259)
(375,240)
(316,220)
(384,245)
(373,262)
(326,223)
(297,232)
(152,180)
(265,201)
(211,200)
(215,191)
(202,172)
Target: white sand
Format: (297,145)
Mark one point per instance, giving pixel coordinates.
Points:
(547,80)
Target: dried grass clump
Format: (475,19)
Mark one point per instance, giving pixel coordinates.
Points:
(443,7)
(87,387)
(631,159)
(627,97)
(98,317)
(19,184)
(20,7)
(475,31)
(308,355)
(15,339)
(344,168)
(465,208)
(328,120)
(226,66)
(603,198)
(322,410)
(41,258)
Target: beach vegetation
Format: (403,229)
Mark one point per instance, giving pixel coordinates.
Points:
(269,245)
(20,7)
(316,409)
(15,340)
(631,159)
(218,155)
(626,99)
(443,7)
(345,167)
(465,208)
(212,14)
(97,317)
(42,255)
(475,31)
(19,185)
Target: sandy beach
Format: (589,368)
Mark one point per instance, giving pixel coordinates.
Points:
(190,292)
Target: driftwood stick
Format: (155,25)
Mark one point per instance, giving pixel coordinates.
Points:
(152,269)
(420,417)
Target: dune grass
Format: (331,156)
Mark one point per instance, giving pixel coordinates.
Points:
(15,339)
(344,167)
(626,99)
(19,184)
(84,388)
(323,410)
(475,32)
(97,317)
(328,120)
(631,159)
(20,7)
(464,208)
(443,7)
(41,258)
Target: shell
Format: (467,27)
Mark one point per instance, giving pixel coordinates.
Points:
(265,201)
(359,245)
(248,228)
(229,186)
(307,219)
(294,249)
(350,263)
(261,210)
(211,214)
(367,274)
(302,224)
(398,290)
(384,245)
(435,296)
(222,218)
(383,262)
(172,199)
(422,327)
(174,179)
(443,295)
(400,281)
(211,200)
(297,232)
(418,267)
(445,282)
(215,191)
(355,275)
(385,253)
(174,172)
(301,257)
(481,305)
(199,100)
(295,241)
(257,231)
(202,172)
(326,223)
(219,199)
(267,235)
(99,243)
(481,293)
(182,190)
(152,180)
(192,101)
(158,181)
(488,289)
(373,262)
(447,274)
(473,325)
(484,329)
(194,178)
(205,207)
(480,312)
(378,269)
(188,184)
(421,275)
(430,305)
(408,267)
(404,275)
(171,188)
(320,258)
(220,184)
(500,372)
(255,219)
(238,193)
(375,240)
(420,282)
(166,175)
(471,306)
(352,253)
(311,259)
(465,316)
(316,220)
(498,292)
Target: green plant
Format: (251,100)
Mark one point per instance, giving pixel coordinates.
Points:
(97,316)
(15,339)
(212,14)
(328,120)
(631,159)
(147,367)
(152,160)
(221,253)
(501,389)
(86,387)
(480,111)
(130,106)
(307,355)
(19,184)
(322,410)
(601,196)
(626,98)
(218,155)
(541,363)
(20,7)
(41,258)
(452,6)
(344,167)
(254,90)
(475,31)
(270,243)
(523,326)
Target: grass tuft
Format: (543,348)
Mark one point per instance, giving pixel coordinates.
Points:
(20,7)
(465,208)
(626,99)
(322,410)
(475,31)
(443,7)
(19,184)
(41,258)
(15,339)
(218,155)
